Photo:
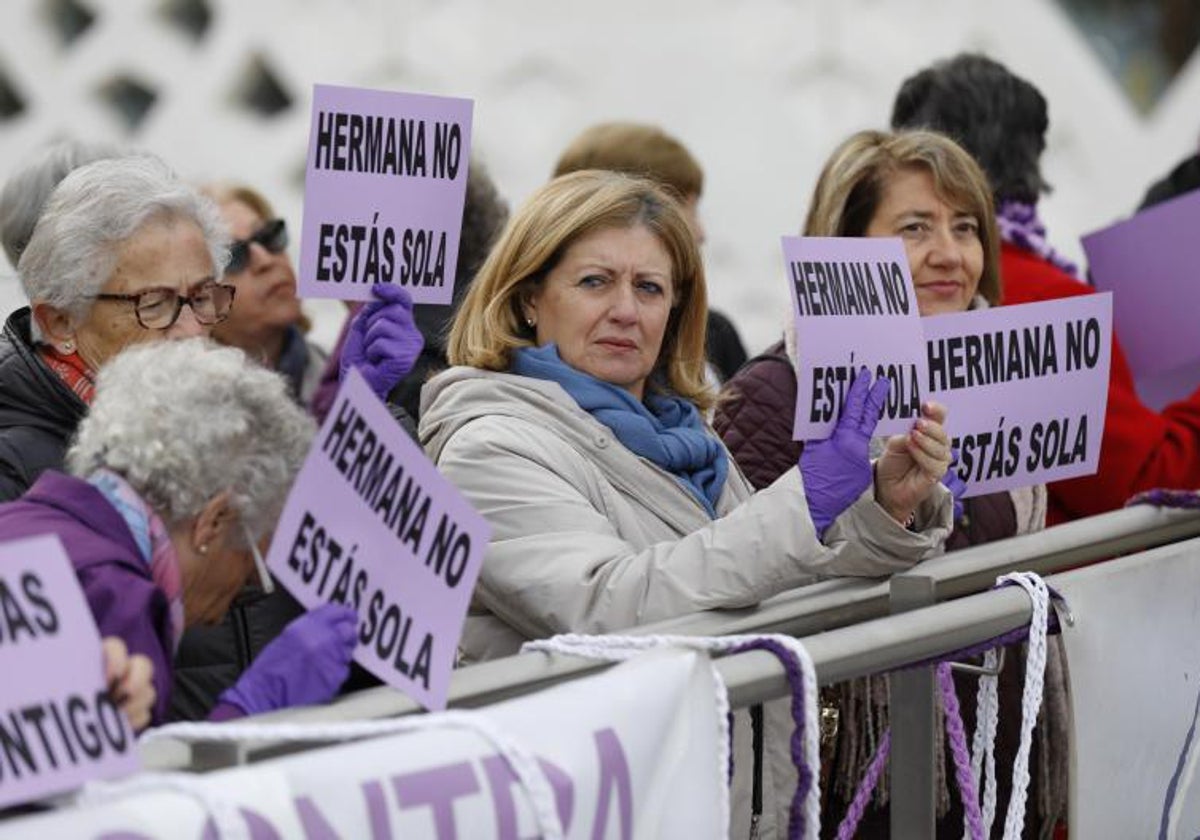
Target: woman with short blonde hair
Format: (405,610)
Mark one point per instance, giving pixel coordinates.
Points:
(574,423)
(491,325)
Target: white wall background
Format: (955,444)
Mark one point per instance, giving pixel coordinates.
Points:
(760,90)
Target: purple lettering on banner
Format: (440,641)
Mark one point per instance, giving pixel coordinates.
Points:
(1025,389)
(1149,263)
(614,773)
(58,727)
(384,190)
(257,827)
(367,529)
(854,306)
(501,778)
(564,791)
(437,787)
(316,827)
(377,811)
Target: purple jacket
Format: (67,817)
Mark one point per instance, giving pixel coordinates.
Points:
(116,581)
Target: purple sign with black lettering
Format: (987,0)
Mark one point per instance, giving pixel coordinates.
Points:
(854,306)
(1025,388)
(60,727)
(384,188)
(1149,264)
(371,523)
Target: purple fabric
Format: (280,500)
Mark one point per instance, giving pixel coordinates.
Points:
(1019,225)
(307,663)
(115,580)
(322,398)
(223,712)
(837,470)
(1162,497)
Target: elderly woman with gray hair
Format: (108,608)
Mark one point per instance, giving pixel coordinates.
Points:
(119,249)
(180,468)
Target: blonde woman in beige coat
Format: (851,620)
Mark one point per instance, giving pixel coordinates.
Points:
(573,421)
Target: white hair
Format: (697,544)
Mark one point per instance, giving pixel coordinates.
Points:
(73,249)
(26,192)
(183,421)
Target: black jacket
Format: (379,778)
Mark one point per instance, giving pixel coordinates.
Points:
(38,413)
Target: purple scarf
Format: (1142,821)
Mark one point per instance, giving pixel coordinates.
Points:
(1019,225)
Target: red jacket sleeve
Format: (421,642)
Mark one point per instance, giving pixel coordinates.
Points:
(1141,448)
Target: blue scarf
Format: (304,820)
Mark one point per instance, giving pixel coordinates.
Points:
(666,430)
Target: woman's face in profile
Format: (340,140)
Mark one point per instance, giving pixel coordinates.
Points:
(606,305)
(945,253)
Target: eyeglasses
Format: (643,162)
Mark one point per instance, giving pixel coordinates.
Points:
(159,308)
(272,235)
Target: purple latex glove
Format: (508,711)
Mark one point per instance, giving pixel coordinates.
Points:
(955,485)
(837,470)
(383,341)
(307,663)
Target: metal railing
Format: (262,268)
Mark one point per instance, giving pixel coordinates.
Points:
(868,643)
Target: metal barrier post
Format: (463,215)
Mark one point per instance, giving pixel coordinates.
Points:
(913,718)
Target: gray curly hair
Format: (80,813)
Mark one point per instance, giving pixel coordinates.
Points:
(73,250)
(183,421)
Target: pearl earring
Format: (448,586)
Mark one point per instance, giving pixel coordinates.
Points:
(68,346)
(530,321)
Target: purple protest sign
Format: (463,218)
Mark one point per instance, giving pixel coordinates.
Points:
(371,523)
(1025,388)
(383,193)
(1149,264)
(855,306)
(57,722)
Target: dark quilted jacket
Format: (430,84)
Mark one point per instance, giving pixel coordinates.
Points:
(38,413)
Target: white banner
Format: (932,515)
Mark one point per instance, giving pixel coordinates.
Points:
(1133,658)
(629,753)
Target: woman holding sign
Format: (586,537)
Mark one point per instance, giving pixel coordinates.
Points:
(924,189)
(179,469)
(574,423)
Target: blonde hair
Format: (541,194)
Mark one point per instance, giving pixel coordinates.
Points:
(490,325)
(852,183)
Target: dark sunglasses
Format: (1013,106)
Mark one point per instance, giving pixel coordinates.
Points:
(272,235)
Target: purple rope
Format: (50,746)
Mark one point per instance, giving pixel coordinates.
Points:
(958,748)
(858,806)
(796,746)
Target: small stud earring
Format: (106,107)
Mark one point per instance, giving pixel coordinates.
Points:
(203,549)
(68,346)
(530,322)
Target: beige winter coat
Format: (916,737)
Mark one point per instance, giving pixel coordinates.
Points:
(589,537)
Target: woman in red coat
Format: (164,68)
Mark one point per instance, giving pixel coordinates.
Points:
(1001,120)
